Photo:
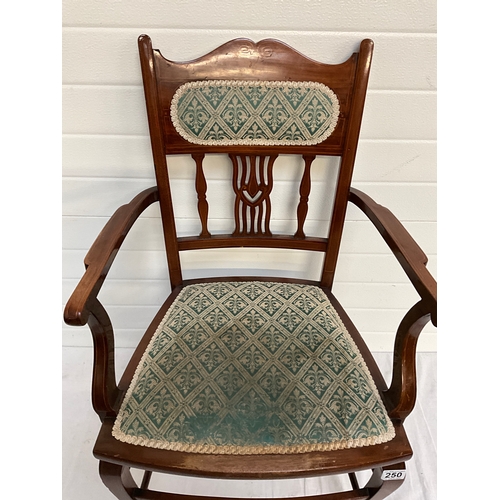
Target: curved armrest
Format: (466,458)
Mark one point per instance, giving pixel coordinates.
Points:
(401,396)
(411,257)
(101,255)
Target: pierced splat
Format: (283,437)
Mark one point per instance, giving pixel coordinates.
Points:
(252,184)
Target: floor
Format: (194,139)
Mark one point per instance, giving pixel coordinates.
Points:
(80,427)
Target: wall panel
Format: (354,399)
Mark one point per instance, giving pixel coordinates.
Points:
(316,15)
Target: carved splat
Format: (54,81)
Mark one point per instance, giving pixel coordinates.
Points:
(252,184)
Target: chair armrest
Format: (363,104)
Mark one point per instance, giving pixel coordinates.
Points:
(401,396)
(411,257)
(102,254)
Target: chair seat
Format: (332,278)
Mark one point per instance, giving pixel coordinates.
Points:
(252,368)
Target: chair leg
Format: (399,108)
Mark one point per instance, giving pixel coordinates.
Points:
(378,488)
(118,480)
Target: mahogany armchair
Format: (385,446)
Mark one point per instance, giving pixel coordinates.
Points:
(252,377)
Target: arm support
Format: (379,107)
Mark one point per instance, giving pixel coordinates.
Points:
(401,396)
(102,254)
(83,306)
(411,257)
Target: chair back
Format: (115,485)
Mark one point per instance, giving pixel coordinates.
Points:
(254,101)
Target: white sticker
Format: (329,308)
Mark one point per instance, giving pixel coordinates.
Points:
(391,475)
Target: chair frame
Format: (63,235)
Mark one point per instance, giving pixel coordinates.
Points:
(161,77)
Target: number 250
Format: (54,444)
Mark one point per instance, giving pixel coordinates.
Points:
(393,474)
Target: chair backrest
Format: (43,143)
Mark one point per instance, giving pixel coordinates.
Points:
(254,101)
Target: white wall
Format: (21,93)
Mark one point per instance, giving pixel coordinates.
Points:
(106,157)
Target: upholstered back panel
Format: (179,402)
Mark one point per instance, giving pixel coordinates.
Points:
(249,113)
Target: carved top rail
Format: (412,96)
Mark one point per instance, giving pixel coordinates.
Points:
(251,80)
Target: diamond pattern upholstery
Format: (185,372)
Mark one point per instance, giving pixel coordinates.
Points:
(252,367)
(230,112)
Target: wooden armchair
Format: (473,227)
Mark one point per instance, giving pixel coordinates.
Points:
(252,377)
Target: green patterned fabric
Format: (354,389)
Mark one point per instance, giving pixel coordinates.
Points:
(252,367)
(227,112)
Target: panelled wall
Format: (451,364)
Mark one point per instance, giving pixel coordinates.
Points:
(106,156)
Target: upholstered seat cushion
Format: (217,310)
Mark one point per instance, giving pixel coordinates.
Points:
(252,367)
